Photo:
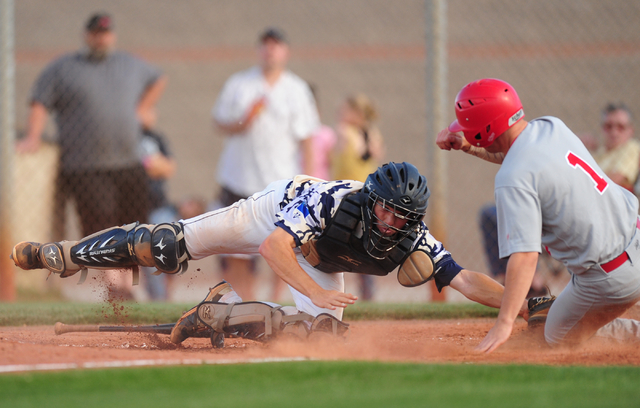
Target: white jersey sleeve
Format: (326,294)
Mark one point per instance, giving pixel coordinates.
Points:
(517,229)
(307,215)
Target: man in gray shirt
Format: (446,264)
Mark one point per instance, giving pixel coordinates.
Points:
(100,98)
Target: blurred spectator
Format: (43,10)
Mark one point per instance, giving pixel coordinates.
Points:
(159,286)
(488,221)
(619,158)
(268,115)
(589,141)
(189,207)
(359,152)
(360,148)
(489,229)
(99,97)
(160,166)
(323,141)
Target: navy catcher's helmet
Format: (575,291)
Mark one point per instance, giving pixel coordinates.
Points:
(400,189)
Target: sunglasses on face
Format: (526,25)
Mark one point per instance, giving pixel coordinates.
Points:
(615,125)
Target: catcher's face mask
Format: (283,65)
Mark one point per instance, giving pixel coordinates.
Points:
(386,225)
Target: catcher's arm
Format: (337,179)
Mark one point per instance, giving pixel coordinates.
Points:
(277,250)
(447,141)
(482,289)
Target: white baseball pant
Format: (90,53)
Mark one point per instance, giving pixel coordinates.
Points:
(242,227)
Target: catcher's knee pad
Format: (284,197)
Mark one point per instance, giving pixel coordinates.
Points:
(161,246)
(168,248)
(260,321)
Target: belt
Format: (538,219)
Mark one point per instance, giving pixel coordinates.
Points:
(616,262)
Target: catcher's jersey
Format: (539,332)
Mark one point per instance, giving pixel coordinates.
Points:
(551,194)
(310,205)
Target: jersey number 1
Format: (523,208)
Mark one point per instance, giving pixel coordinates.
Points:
(575,161)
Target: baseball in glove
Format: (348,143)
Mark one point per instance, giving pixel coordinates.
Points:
(538,310)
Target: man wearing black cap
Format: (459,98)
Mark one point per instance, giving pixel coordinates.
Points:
(100,98)
(267,114)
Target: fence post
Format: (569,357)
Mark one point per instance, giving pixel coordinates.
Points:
(436,94)
(7,148)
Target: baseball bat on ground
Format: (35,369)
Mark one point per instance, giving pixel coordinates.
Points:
(61,328)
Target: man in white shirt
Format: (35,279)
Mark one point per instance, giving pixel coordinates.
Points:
(267,114)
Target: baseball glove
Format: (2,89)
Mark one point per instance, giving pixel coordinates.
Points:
(538,310)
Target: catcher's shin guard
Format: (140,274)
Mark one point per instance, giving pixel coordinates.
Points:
(53,256)
(262,322)
(161,246)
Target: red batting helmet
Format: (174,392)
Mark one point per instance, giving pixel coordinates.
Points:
(485,109)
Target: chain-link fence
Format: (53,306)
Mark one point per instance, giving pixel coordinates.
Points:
(567,59)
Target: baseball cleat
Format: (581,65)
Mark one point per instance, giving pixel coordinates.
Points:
(26,255)
(189,325)
(539,309)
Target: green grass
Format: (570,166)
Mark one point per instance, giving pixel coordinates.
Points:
(47,313)
(306,384)
(327,384)
(405,311)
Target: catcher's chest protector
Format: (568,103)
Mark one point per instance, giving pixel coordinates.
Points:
(339,249)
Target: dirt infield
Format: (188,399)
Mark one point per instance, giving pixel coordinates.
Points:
(452,341)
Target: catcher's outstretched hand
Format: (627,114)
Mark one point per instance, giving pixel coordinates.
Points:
(497,336)
(331,299)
